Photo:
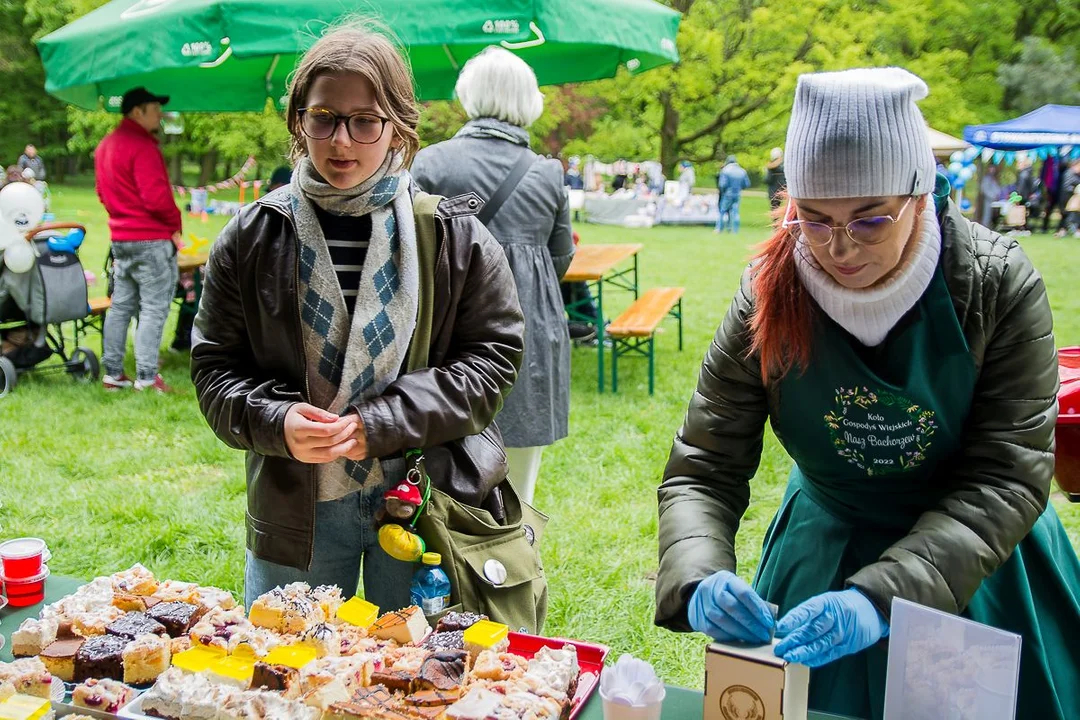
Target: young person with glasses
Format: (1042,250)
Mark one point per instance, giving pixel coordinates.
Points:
(308,314)
(905,359)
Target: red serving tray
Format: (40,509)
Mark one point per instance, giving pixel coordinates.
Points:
(590,659)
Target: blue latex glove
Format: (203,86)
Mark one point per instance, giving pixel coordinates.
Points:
(725,608)
(829,626)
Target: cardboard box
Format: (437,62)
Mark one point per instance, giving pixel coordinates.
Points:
(744,682)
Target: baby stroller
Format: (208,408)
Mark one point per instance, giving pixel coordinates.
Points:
(35,304)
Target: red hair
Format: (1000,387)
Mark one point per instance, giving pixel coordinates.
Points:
(782,324)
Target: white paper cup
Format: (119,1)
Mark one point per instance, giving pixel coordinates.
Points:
(617,711)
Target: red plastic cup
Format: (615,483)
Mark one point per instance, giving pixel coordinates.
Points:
(26,591)
(23,557)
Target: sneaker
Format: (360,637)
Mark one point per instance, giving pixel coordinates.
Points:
(158,384)
(116,383)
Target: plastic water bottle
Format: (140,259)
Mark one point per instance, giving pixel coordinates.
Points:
(430,585)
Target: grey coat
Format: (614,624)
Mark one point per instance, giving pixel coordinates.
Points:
(533,226)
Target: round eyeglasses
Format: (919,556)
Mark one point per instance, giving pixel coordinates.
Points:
(321,124)
(862,231)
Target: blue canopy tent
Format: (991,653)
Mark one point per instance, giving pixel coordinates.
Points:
(1054,125)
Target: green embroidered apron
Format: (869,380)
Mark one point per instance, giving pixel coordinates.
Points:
(868,429)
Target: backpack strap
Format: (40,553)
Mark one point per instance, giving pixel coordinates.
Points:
(427,242)
(517,172)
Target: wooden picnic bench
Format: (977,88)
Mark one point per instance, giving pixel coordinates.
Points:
(635,330)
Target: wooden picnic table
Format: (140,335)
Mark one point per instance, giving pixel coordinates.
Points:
(597,265)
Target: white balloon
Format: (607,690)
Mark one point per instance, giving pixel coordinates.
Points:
(9,235)
(22,204)
(19,257)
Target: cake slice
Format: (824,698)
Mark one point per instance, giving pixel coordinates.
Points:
(326,694)
(104,695)
(354,672)
(478,704)
(491,665)
(145,658)
(454,621)
(278,678)
(211,597)
(59,657)
(407,626)
(131,625)
(95,621)
(29,676)
(557,668)
(448,640)
(136,580)
(7,689)
(173,591)
(217,627)
(178,617)
(445,670)
(328,598)
(253,642)
(33,636)
(395,680)
(407,659)
(355,640)
(433,698)
(324,638)
(101,656)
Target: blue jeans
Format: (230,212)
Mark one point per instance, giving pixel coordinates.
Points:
(344,534)
(729,213)
(144,282)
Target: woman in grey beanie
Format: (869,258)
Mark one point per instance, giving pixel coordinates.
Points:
(905,358)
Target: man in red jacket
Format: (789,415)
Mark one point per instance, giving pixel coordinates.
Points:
(144,222)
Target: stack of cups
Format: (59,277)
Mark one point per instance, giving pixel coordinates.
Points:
(24,570)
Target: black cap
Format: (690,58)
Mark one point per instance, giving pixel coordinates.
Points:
(135,97)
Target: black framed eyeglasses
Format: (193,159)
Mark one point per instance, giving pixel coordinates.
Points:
(870,230)
(321,124)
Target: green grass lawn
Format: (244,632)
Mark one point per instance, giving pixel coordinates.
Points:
(112,479)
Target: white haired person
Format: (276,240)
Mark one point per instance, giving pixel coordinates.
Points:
(528,212)
(904,358)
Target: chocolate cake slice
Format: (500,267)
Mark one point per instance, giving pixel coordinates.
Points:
(445,670)
(451,640)
(59,657)
(454,621)
(396,680)
(101,656)
(280,678)
(176,616)
(133,624)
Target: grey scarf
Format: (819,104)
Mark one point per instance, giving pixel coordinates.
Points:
(350,363)
(492,128)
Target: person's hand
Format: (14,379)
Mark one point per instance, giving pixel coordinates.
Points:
(829,626)
(359,452)
(725,608)
(314,435)
(178,240)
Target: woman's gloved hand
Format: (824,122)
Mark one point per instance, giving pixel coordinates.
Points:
(725,608)
(829,626)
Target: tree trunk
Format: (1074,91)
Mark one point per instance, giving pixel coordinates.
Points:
(228,170)
(209,165)
(176,169)
(669,131)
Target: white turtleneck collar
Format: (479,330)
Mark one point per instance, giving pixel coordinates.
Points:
(869,314)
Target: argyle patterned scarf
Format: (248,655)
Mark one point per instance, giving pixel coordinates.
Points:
(350,362)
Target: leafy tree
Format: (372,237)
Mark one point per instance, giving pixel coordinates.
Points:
(1041,75)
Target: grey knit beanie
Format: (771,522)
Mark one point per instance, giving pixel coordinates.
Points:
(858,133)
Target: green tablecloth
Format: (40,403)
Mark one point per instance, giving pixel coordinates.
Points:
(680,703)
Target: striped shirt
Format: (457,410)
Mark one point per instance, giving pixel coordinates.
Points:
(347,238)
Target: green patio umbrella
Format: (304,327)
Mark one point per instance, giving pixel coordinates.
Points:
(231,55)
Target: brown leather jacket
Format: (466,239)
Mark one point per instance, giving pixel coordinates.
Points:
(247,360)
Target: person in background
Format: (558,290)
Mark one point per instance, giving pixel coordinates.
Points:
(1070,214)
(687,180)
(132,182)
(500,95)
(573,178)
(621,171)
(1027,187)
(774,176)
(733,179)
(989,193)
(904,357)
(30,160)
(281,177)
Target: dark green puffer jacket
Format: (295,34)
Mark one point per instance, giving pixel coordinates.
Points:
(1000,480)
